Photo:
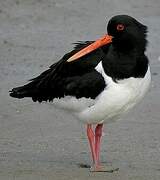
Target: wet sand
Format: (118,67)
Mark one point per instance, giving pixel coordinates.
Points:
(38,141)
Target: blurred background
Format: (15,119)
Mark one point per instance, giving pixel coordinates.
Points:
(38,141)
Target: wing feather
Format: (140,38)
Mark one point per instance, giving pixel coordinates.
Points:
(62,78)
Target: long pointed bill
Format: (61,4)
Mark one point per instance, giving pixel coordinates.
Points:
(98,43)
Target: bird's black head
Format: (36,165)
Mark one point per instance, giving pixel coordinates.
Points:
(127,33)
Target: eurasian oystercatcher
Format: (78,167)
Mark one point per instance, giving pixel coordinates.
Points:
(99,80)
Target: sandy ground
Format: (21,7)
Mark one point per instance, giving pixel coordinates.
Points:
(38,142)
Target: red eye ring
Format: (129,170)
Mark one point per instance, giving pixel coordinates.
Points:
(120,27)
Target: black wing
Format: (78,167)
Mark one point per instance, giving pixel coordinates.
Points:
(77,78)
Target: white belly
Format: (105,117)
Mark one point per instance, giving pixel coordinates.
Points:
(115,100)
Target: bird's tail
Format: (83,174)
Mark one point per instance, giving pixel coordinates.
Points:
(39,89)
(42,88)
(23,91)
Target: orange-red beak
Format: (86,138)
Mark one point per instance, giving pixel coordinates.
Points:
(98,43)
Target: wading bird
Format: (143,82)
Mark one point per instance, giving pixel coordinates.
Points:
(99,80)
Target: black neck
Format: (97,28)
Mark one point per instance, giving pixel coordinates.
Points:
(120,63)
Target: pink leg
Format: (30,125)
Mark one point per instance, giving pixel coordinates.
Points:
(90,135)
(95,141)
(98,135)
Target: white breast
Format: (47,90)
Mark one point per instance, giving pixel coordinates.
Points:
(115,100)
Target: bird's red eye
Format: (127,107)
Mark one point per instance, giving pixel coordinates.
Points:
(120,27)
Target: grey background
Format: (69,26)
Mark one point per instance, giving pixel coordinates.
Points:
(38,141)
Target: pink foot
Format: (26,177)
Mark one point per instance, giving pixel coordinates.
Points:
(102,168)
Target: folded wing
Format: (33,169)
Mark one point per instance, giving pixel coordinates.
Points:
(78,78)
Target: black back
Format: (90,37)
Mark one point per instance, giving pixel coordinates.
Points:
(78,78)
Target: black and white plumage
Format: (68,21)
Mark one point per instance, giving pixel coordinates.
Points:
(101,85)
